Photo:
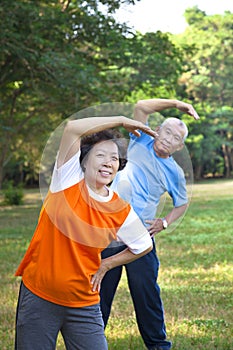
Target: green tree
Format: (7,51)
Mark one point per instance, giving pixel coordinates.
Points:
(156,64)
(208,82)
(51,65)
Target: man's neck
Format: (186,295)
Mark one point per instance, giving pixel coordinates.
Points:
(160,154)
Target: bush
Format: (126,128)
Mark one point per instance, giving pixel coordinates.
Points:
(13,195)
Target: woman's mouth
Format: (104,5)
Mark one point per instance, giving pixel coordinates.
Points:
(105,173)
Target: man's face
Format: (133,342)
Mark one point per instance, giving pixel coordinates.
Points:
(170,139)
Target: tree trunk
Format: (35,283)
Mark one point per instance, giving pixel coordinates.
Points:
(230,153)
(1,175)
(227,171)
(197,172)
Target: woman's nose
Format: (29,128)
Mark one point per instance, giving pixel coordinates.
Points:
(108,161)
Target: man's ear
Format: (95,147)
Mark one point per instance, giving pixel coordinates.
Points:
(157,130)
(180,147)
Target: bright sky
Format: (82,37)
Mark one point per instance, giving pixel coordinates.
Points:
(167,15)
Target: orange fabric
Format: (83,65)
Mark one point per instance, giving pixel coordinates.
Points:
(64,253)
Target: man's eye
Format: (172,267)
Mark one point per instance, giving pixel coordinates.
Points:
(100,155)
(115,159)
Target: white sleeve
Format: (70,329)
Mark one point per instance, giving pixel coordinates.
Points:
(134,234)
(67,175)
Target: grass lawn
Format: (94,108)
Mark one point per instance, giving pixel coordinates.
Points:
(196,274)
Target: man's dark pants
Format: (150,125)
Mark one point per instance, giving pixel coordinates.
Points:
(142,277)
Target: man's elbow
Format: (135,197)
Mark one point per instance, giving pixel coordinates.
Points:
(141,111)
(185,206)
(145,106)
(140,105)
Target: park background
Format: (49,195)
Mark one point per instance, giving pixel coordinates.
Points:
(60,57)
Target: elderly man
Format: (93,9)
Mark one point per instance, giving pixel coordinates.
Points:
(150,172)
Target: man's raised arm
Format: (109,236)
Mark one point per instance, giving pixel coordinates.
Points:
(143,108)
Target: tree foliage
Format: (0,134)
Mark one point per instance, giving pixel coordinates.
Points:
(58,57)
(51,60)
(208,82)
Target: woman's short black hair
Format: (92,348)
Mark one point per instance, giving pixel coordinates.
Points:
(114,135)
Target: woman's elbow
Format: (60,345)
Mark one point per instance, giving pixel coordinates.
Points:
(148,250)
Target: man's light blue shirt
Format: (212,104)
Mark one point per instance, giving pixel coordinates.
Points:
(147,177)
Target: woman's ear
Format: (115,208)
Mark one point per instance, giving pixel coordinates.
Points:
(83,164)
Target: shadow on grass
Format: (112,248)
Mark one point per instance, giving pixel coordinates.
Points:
(188,341)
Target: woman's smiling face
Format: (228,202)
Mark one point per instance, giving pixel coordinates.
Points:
(102,164)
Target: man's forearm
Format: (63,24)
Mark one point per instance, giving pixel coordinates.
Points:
(176,213)
(156,104)
(143,108)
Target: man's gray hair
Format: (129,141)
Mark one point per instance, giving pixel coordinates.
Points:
(180,123)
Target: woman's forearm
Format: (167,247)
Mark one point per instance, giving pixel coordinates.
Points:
(87,126)
(122,258)
(76,129)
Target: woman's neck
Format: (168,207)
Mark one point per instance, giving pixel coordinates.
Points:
(101,191)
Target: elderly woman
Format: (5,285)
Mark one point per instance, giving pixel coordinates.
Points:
(62,268)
